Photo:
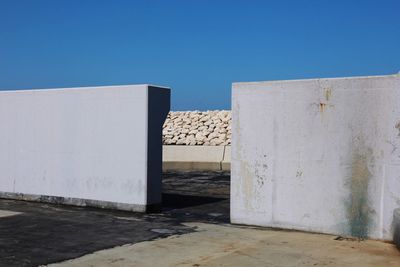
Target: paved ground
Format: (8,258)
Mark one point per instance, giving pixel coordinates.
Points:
(32,234)
(192,230)
(225,245)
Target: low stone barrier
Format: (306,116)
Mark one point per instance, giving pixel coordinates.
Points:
(202,158)
(95,146)
(197,140)
(318,155)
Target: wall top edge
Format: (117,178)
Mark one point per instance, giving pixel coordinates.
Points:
(240,84)
(84,88)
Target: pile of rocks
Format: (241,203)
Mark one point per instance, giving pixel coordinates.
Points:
(207,128)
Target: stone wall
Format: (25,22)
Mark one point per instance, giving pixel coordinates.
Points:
(207,128)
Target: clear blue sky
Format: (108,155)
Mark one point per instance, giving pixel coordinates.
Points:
(196,47)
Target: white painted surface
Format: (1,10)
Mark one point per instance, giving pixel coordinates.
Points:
(86,143)
(318,155)
(193,153)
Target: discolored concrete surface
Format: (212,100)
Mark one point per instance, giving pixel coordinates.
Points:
(192,230)
(226,245)
(33,234)
(197,196)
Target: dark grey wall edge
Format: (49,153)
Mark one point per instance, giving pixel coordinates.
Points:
(158,108)
(396,227)
(80,202)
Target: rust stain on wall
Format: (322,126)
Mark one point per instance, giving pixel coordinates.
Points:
(322,106)
(325,104)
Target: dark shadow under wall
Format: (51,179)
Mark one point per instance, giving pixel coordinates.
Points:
(396,227)
(35,233)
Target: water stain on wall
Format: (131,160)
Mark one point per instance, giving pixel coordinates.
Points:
(247,185)
(245,175)
(328,93)
(299,173)
(260,171)
(358,210)
(397,126)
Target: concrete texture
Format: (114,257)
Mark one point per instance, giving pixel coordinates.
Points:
(317,155)
(210,158)
(221,245)
(192,230)
(226,162)
(33,234)
(95,144)
(197,196)
(80,202)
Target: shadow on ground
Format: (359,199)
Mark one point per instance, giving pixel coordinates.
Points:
(42,233)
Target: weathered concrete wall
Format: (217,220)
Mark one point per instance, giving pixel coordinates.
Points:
(98,146)
(318,155)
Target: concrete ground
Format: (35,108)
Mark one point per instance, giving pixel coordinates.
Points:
(33,234)
(192,230)
(225,245)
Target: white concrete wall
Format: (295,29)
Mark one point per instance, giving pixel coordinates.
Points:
(318,155)
(86,146)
